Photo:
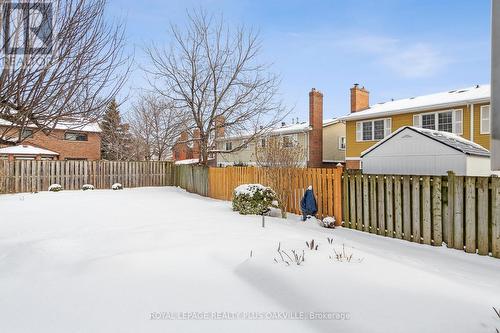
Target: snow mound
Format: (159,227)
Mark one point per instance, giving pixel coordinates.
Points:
(329,222)
(117,186)
(249,189)
(55,188)
(88,187)
(249,199)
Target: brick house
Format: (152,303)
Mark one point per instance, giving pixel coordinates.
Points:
(323,140)
(187,149)
(69,142)
(464,112)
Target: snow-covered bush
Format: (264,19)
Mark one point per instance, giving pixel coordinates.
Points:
(254,199)
(117,186)
(329,222)
(55,188)
(87,187)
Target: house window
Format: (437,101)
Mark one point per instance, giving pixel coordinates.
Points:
(379,127)
(26,133)
(485,119)
(429,121)
(447,121)
(367,131)
(287,141)
(229,145)
(342,143)
(74,136)
(373,129)
(263,143)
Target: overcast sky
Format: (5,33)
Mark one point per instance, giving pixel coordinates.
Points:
(395,48)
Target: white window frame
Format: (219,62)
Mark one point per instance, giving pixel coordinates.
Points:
(359,129)
(230,143)
(482,130)
(342,143)
(459,130)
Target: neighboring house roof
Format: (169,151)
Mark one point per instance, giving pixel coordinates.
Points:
(67,126)
(190,161)
(452,98)
(449,139)
(26,150)
(287,129)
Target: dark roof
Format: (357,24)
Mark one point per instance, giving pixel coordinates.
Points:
(449,139)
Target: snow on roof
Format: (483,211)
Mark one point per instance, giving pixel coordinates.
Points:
(286,129)
(449,139)
(475,94)
(190,161)
(26,150)
(74,126)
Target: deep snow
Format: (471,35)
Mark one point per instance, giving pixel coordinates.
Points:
(104,261)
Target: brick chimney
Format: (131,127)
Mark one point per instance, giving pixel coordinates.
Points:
(196,143)
(184,136)
(316,132)
(219,127)
(360,98)
(180,148)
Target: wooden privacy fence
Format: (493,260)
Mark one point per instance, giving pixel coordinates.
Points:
(327,185)
(192,178)
(33,176)
(463,212)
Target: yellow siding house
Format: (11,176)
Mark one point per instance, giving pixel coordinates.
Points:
(465,112)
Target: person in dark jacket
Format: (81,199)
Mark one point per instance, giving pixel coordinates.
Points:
(308,204)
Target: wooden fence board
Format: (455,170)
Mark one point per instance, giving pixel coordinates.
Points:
(389,206)
(458,220)
(381,205)
(373,204)
(398,217)
(449,222)
(366,204)
(352,202)
(482,215)
(495,216)
(426,209)
(437,209)
(406,208)
(470,214)
(415,209)
(359,203)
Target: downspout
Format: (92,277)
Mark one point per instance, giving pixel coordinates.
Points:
(471,108)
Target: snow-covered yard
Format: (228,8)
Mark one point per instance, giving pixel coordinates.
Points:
(131,260)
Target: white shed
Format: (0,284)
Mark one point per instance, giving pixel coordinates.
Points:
(418,151)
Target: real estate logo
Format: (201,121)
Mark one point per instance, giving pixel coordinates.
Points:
(27,28)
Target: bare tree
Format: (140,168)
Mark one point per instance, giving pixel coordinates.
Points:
(66,70)
(211,72)
(155,125)
(279,156)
